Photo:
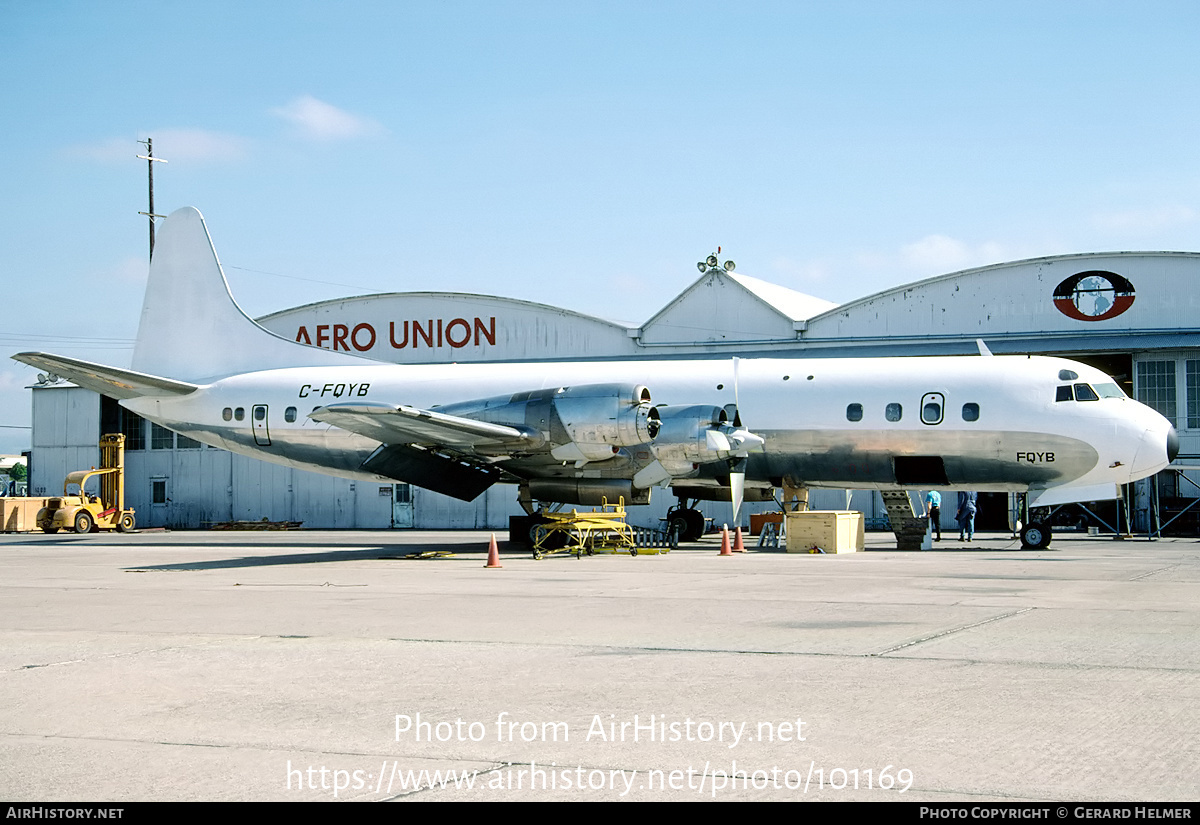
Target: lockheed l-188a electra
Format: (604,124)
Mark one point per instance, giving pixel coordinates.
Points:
(577,432)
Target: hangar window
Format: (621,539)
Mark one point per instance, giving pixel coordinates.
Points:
(134,428)
(161,438)
(227,413)
(1065,394)
(1084,392)
(239,414)
(1193,394)
(1156,387)
(182,442)
(158,491)
(970,412)
(893,412)
(289,415)
(854,412)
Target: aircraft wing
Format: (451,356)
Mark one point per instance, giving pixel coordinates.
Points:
(391,424)
(110,381)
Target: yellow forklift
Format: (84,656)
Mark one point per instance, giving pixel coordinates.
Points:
(84,512)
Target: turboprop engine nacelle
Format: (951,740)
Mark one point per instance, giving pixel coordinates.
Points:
(584,423)
(698,434)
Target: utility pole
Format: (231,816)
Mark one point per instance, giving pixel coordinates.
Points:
(150,161)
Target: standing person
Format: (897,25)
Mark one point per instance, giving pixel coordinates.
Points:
(933,509)
(966,515)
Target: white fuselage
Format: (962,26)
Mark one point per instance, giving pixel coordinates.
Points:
(986,423)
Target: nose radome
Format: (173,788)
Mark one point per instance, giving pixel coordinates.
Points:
(1157,449)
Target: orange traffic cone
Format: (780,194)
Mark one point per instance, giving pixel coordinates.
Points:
(738,547)
(725,551)
(493,554)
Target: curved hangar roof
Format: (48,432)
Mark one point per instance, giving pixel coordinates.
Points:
(1065,303)
(718,310)
(1092,301)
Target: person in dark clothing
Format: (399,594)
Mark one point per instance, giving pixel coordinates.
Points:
(966,515)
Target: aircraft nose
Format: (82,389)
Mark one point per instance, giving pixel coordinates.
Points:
(1158,447)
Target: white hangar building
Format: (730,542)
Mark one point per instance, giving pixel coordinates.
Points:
(1131,314)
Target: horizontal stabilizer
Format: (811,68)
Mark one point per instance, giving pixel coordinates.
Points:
(110,381)
(409,425)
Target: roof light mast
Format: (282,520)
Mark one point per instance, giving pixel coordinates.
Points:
(711,263)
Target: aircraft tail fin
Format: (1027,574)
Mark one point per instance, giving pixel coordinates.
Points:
(191,327)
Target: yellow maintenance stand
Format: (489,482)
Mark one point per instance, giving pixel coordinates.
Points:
(585,533)
(87,513)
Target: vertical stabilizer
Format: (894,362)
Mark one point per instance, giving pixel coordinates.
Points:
(192,329)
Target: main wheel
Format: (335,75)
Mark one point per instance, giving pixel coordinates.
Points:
(687,523)
(126,523)
(1035,536)
(84,522)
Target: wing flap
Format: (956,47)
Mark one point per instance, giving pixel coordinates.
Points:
(427,469)
(392,424)
(111,381)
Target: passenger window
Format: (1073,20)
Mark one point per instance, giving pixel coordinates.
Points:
(1084,392)
(970,412)
(260,413)
(239,414)
(854,412)
(289,415)
(1064,394)
(227,413)
(893,412)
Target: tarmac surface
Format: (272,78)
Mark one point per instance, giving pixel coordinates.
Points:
(321,665)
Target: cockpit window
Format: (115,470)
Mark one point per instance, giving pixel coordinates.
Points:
(1067,375)
(1109,390)
(1084,392)
(1065,394)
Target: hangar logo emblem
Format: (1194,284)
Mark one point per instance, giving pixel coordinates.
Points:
(1095,295)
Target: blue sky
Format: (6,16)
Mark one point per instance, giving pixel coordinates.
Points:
(580,154)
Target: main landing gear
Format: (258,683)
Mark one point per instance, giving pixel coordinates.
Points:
(686,523)
(1035,536)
